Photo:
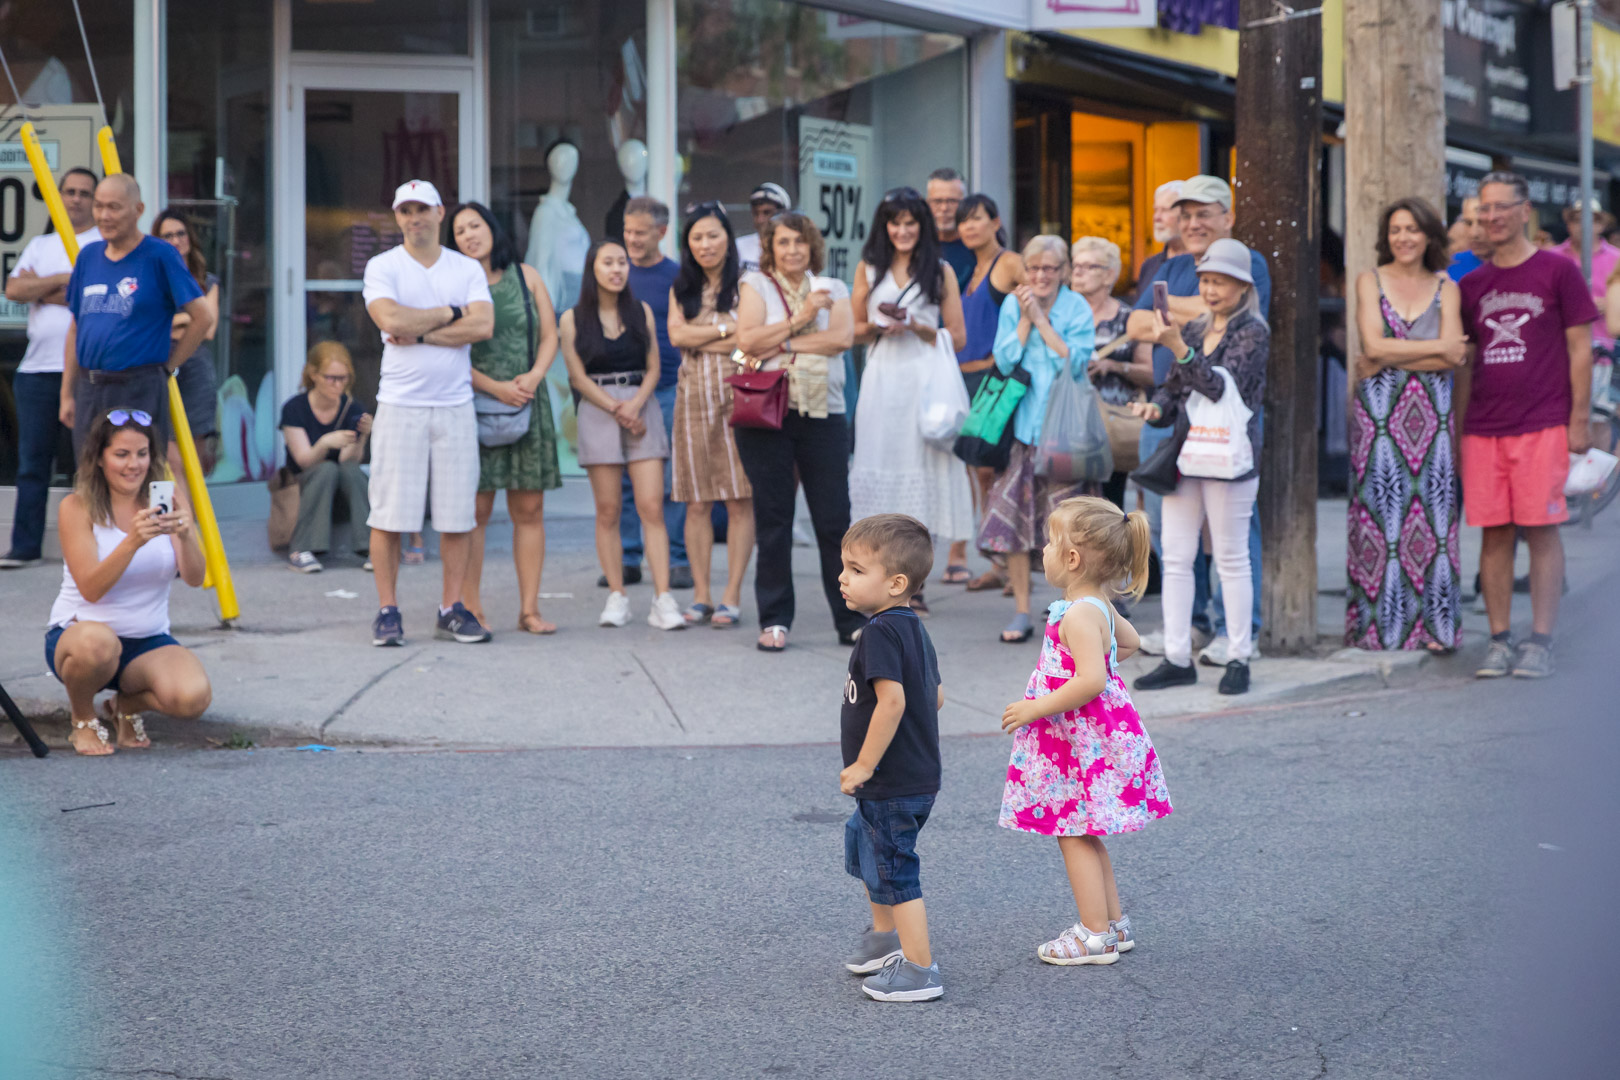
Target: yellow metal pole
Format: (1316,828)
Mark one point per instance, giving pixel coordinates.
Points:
(219,570)
(47,188)
(109,151)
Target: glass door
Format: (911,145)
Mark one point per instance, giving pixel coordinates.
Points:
(360,133)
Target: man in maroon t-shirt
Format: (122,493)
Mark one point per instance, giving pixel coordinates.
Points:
(1524,400)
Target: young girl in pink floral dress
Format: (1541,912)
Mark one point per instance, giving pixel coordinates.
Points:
(1082,767)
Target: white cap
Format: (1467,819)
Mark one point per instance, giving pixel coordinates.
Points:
(1206,189)
(417,191)
(1229,257)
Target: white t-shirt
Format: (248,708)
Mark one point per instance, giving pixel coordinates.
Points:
(425,376)
(748,252)
(776,311)
(48,324)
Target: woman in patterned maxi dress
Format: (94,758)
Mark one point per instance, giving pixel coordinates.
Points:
(1404,568)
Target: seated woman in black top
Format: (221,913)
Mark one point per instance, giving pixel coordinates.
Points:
(326,437)
(610,343)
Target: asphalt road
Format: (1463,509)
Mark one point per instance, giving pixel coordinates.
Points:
(1402,884)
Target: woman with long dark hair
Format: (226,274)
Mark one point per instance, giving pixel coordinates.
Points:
(1405,566)
(511,368)
(610,343)
(703,324)
(908,310)
(199,381)
(109,627)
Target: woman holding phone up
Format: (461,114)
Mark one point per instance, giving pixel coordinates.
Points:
(109,627)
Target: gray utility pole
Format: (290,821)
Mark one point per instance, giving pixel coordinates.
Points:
(1279,214)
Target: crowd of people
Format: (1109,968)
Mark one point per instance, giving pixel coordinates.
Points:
(719,386)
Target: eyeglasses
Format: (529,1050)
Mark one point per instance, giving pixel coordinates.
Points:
(172,237)
(336,380)
(1500,207)
(1044,269)
(1087,268)
(120,417)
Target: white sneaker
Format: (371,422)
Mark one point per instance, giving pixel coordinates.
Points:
(665,613)
(1152,644)
(304,562)
(1218,652)
(617,612)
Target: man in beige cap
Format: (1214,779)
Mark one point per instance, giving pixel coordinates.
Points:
(1206,216)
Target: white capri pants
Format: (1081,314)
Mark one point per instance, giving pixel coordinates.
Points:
(1227,504)
(411,445)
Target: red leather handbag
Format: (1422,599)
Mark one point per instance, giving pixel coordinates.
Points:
(759,399)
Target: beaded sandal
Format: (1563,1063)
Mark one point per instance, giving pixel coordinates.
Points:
(94,725)
(109,710)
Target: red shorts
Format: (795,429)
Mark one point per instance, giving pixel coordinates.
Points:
(1516,479)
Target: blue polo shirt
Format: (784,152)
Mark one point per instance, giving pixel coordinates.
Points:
(1181,275)
(123,310)
(651,285)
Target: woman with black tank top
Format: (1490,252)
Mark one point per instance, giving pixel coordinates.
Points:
(610,343)
(995,274)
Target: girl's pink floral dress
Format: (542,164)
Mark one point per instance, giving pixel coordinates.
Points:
(1089,772)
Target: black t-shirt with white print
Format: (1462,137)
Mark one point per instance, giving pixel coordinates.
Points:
(893,645)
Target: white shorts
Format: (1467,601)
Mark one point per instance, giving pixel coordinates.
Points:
(410,444)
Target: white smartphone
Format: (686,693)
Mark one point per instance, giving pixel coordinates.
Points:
(161,496)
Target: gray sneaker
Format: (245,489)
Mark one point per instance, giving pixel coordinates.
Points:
(1533,662)
(1498,661)
(901,980)
(875,950)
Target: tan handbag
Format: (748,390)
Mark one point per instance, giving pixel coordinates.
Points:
(1124,435)
(283,485)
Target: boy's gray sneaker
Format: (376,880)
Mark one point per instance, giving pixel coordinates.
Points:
(901,980)
(1498,661)
(876,949)
(1533,662)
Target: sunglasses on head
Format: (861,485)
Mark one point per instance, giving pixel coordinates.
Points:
(704,209)
(899,193)
(120,417)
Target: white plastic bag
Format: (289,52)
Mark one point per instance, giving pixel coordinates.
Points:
(943,405)
(1588,472)
(1217,446)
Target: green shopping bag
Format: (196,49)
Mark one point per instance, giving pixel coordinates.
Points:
(987,435)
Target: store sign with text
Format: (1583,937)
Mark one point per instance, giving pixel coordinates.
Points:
(835,188)
(1487,44)
(1091,14)
(67,136)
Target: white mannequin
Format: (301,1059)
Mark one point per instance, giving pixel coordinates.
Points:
(633,167)
(558,243)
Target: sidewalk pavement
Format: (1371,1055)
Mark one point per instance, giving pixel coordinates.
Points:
(299,662)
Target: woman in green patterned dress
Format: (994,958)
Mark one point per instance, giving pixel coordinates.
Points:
(511,366)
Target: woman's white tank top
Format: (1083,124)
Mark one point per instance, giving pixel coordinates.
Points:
(138,603)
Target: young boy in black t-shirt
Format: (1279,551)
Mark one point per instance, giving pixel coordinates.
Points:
(891,751)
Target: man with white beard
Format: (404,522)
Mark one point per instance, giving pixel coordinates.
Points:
(1166,231)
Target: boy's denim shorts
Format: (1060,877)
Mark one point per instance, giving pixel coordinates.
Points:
(880,846)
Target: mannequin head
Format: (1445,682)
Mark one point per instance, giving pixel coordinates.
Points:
(562,161)
(633,163)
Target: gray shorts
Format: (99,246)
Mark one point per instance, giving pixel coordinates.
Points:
(603,442)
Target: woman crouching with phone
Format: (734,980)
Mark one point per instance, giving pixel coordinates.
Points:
(126,533)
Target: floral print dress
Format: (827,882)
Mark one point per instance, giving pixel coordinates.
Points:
(1088,772)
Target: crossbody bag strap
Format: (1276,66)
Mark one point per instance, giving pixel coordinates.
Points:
(528,311)
(787,307)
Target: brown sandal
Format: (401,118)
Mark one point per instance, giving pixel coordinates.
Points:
(990,579)
(534,624)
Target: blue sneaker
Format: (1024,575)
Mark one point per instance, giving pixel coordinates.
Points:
(459,624)
(388,628)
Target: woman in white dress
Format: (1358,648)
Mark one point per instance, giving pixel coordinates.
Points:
(909,311)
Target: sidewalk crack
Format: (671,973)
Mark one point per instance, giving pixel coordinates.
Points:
(667,703)
(373,681)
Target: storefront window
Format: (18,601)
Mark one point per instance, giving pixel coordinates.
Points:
(219,162)
(835,108)
(430,27)
(568,130)
(47,57)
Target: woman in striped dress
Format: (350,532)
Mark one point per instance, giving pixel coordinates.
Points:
(703,324)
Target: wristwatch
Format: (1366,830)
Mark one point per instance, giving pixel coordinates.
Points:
(455,313)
